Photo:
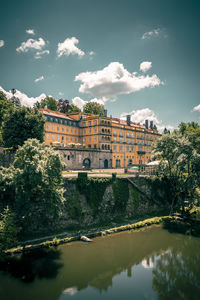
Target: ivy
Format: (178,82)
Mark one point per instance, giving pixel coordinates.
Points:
(73,206)
(93,189)
(121,194)
(135,197)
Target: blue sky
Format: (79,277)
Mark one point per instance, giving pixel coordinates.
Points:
(139,56)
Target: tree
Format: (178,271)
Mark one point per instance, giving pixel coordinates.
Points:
(63,106)
(73,108)
(16,102)
(180,164)
(192,131)
(38,182)
(94,108)
(166,131)
(33,185)
(5,106)
(8,230)
(21,124)
(49,103)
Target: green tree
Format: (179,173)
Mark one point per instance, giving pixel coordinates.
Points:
(166,131)
(180,164)
(5,107)
(94,108)
(49,103)
(33,185)
(73,108)
(63,106)
(21,124)
(192,131)
(8,230)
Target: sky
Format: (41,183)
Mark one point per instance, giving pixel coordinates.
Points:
(136,57)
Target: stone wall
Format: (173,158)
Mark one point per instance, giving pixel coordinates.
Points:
(78,159)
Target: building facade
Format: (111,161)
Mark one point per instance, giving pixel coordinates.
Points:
(117,142)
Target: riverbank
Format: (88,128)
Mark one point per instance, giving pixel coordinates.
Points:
(56,240)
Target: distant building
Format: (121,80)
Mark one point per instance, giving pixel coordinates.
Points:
(93,141)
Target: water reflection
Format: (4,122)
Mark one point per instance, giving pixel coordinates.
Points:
(28,266)
(152,264)
(177,273)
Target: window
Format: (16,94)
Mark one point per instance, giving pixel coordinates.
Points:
(89,139)
(67,129)
(71,139)
(47,126)
(63,129)
(83,139)
(114,139)
(58,137)
(94,139)
(128,141)
(63,138)
(89,130)
(127,133)
(68,157)
(47,136)
(56,120)
(120,133)
(72,130)
(76,140)
(132,149)
(58,128)
(120,148)
(115,133)
(95,122)
(121,140)
(89,123)
(127,148)
(76,131)
(95,130)
(67,138)
(53,127)
(83,124)
(53,136)
(114,147)
(140,148)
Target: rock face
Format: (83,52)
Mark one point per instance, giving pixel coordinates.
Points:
(78,209)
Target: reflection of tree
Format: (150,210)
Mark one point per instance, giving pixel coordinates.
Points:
(38,264)
(177,274)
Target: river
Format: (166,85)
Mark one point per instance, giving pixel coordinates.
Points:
(149,264)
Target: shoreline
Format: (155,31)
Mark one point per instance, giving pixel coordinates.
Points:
(90,234)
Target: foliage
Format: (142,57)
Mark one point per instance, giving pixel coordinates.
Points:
(49,103)
(35,182)
(8,230)
(93,108)
(135,197)
(180,164)
(93,189)
(121,194)
(21,124)
(5,107)
(73,108)
(73,206)
(63,106)
(192,131)
(166,131)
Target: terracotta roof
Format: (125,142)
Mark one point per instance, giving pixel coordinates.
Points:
(52,113)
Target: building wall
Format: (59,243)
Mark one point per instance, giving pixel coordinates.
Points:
(127,143)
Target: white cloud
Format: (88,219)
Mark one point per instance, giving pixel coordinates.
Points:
(30,31)
(2,43)
(196,108)
(39,54)
(145,66)
(68,47)
(140,115)
(114,80)
(39,78)
(60,93)
(91,53)
(31,44)
(152,33)
(24,99)
(81,103)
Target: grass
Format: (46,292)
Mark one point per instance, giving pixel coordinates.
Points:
(54,241)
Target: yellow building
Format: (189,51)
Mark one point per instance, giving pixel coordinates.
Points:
(127,142)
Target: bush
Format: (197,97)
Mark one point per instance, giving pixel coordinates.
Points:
(121,193)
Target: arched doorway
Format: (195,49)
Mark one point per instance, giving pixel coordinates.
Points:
(105,164)
(86,163)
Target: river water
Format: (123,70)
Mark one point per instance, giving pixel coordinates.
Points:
(150,264)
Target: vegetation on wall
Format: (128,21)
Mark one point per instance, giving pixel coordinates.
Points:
(121,194)
(93,189)
(135,197)
(73,206)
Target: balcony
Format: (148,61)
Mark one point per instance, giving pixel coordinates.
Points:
(141,152)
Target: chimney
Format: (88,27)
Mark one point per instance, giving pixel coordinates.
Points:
(105,113)
(128,120)
(151,125)
(146,124)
